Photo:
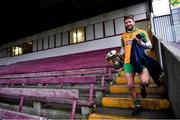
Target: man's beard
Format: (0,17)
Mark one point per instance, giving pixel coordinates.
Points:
(132,28)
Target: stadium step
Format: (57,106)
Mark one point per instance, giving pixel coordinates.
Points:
(121,80)
(148,104)
(108,117)
(116,103)
(123,89)
(105,113)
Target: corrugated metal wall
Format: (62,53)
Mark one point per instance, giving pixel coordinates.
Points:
(164,28)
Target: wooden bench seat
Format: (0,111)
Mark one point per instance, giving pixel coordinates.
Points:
(67,62)
(57,81)
(103,72)
(20,83)
(66,96)
(84,71)
(82,68)
(12,115)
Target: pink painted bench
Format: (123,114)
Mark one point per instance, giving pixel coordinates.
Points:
(103,72)
(63,96)
(45,82)
(81,68)
(84,60)
(12,115)
(87,63)
(56,81)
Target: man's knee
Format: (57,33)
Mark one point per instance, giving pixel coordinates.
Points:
(145,81)
(144,76)
(130,80)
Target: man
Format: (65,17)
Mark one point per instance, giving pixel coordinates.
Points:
(127,38)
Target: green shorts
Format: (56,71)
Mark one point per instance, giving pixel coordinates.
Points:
(128,68)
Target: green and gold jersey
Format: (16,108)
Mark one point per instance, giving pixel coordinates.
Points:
(127,39)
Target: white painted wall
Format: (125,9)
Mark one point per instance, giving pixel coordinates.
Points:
(109,29)
(51,41)
(89,32)
(58,39)
(76,48)
(98,30)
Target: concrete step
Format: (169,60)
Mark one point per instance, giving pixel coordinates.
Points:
(95,116)
(45,112)
(9,114)
(152,54)
(123,89)
(148,104)
(121,80)
(121,74)
(153,96)
(102,113)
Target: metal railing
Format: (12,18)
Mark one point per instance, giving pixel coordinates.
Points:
(164,28)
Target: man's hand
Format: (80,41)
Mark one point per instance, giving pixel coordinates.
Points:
(146,45)
(139,41)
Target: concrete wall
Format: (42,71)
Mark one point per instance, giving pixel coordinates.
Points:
(171,66)
(169,57)
(156,46)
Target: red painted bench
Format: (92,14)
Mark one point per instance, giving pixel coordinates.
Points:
(63,96)
(103,72)
(92,62)
(56,81)
(81,68)
(27,82)
(90,59)
(12,115)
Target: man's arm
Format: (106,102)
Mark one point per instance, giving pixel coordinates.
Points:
(146,45)
(144,40)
